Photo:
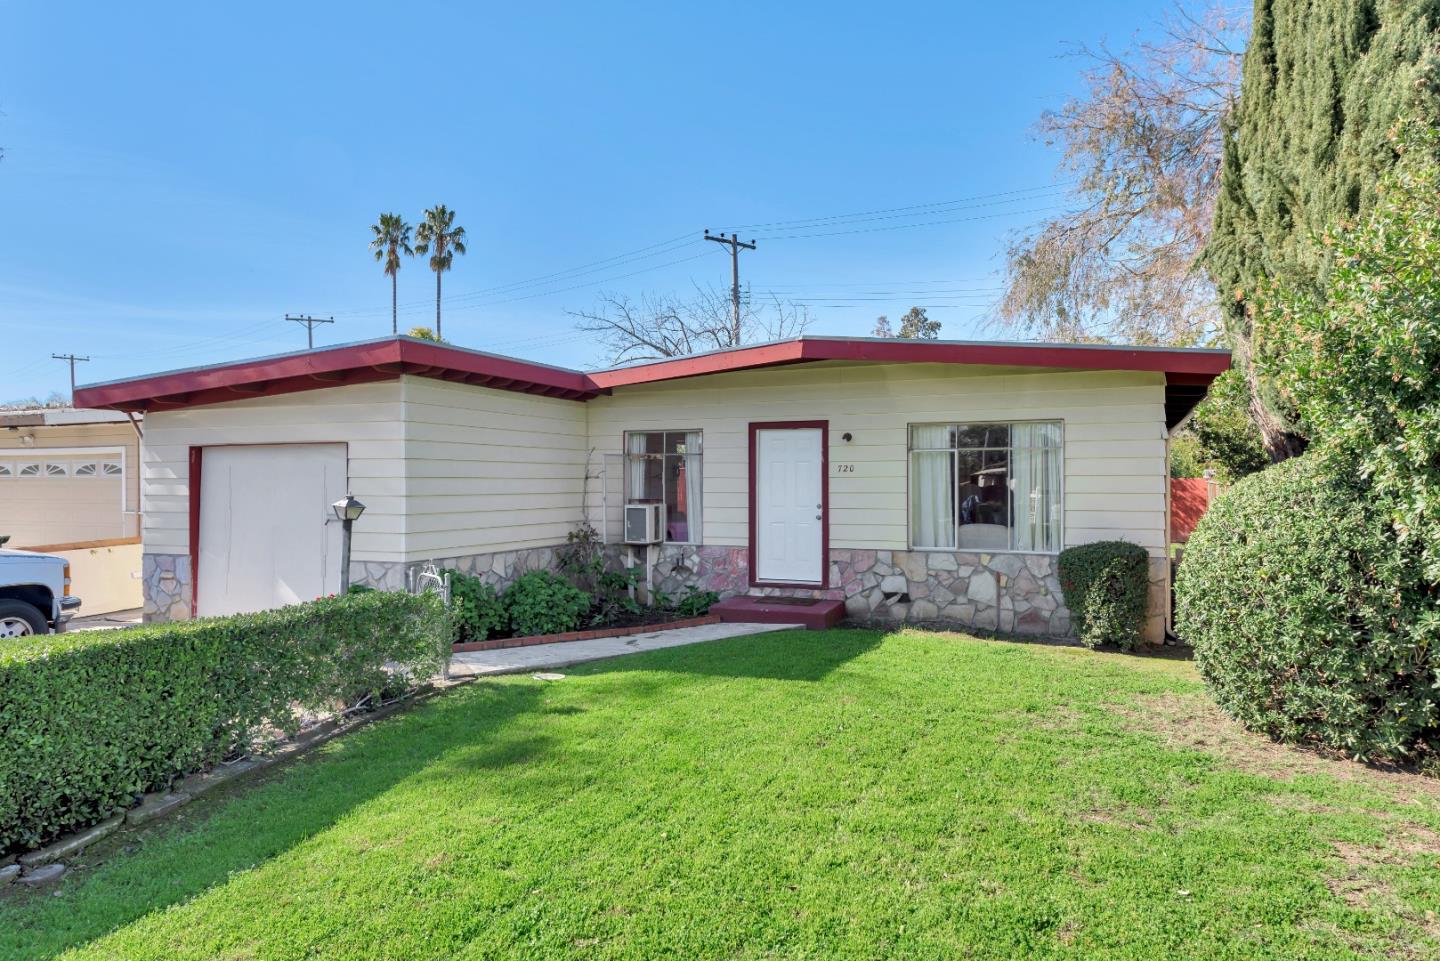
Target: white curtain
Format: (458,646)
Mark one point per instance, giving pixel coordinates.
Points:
(932,490)
(694,507)
(635,467)
(1035,486)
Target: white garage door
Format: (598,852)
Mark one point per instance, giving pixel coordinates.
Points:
(267,534)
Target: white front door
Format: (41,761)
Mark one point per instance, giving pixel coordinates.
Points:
(267,534)
(789,505)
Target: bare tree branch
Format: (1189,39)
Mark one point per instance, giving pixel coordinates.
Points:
(660,326)
(1144,147)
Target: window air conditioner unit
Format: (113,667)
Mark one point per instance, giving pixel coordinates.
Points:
(642,523)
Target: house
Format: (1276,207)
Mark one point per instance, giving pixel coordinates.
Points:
(912,479)
(69,485)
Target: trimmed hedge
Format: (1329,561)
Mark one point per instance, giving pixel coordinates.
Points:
(90,721)
(1107,587)
(1309,620)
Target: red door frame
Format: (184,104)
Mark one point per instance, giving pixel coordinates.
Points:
(197,463)
(824,427)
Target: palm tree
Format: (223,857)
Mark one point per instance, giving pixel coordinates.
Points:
(438,237)
(392,238)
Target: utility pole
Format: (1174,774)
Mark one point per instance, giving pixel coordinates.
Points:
(735,245)
(73,360)
(309,323)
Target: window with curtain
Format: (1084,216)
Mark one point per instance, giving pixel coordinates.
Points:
(986,486)
(663,467)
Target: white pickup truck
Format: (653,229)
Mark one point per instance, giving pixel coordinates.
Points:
(35,594)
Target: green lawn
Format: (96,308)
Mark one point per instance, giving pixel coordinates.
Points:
(837,795)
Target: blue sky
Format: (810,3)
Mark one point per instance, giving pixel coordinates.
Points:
(177,178)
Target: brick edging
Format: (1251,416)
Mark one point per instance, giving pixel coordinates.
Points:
(504,642)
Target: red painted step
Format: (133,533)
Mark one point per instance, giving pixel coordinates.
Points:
(813,614)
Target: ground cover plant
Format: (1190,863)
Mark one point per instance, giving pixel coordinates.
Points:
(840,795)
(585,591)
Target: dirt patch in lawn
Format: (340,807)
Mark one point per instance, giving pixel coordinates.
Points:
(1194,722)
(1364,873)
(1363,876)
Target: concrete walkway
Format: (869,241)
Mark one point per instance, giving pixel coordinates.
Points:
(541,657)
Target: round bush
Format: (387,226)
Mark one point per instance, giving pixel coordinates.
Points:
(1309,621)
(1106,586)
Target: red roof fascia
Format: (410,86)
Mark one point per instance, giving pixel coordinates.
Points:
(388,359)
(352,364)
(1204,365)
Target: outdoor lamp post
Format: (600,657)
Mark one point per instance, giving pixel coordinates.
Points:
(348,511)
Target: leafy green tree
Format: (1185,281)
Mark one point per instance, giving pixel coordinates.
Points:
(913,326)
(916,326)
(424,333)
(1322,85)
(1220,436)
(1362,371)
(391,239)
(438,236)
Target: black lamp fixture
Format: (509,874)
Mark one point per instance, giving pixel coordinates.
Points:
(347,511)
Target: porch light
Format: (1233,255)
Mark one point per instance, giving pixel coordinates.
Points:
(348,511)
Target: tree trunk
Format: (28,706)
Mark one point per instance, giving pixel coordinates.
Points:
(394,308)
(437,305)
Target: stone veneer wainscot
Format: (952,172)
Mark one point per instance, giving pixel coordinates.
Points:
(993,591)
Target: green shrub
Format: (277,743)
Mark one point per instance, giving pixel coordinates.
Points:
(1358,358)
(1310,621)
(476,611)
(1106,587)
(614,596)
(581,559)
(541,602)
(695,602)
(89,721)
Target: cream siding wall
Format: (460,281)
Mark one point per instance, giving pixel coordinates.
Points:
(368,418)
(1115,467)
(489,470)
(449,470)
(59,510)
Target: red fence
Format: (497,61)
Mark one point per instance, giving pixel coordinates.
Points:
(1189,499)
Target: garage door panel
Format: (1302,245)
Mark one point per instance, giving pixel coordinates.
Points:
(267,534)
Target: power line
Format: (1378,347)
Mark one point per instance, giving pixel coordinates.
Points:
(640,253)
(927,223)
(736,245)
(72,360)
(913,207)
(310,324)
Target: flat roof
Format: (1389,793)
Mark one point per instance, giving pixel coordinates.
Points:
(1188,371)
(59,416)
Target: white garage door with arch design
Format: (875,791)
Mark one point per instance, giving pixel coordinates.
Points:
(267,534)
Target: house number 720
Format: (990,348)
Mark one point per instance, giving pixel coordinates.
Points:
(844,468)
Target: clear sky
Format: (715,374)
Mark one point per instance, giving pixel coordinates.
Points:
(176,178)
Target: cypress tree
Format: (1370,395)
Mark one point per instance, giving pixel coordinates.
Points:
(1324,82)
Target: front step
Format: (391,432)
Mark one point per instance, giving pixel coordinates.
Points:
(810,613)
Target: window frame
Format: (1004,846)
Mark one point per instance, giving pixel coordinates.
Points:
(690,526)
(1009,448)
